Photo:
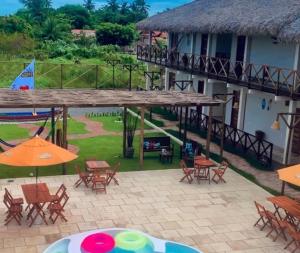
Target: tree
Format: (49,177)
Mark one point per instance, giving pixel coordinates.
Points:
(89,5)
(55,28)
(115,34)
(79,16)
(112,5)
(12,24)
(37,8)
(140,9)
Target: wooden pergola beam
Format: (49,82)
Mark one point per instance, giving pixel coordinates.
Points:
(48,98)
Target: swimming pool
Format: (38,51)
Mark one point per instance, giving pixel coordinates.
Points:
(116,240)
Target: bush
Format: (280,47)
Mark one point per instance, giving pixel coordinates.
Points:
(16,43)
(115,34)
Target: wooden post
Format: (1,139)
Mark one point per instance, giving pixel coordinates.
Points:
(222,131)
(180,123)
(65,127)
(124,131)
(142,138)
(130,77)
(185,124)
(208,138)
(53,124)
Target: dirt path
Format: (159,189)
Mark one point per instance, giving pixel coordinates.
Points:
(93,128)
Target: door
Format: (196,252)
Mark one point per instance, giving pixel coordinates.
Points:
(203,50)
(296,136)
(240,51)
(235,111)
(223,53)
(174,41)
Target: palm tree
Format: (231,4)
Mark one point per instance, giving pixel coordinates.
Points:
(37,8)
(55,28)
(89,5)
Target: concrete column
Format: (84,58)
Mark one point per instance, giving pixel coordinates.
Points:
(167,80)
(242,108)
(208,91)
(297,57)
(287,144)
(233,51)
(247,53)
(297,61)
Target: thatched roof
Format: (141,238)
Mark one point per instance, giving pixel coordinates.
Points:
(279,18)
(47,98)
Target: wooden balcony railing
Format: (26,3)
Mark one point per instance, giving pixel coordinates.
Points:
(238,140)
(279,81)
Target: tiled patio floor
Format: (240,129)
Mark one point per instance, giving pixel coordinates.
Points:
(213,218)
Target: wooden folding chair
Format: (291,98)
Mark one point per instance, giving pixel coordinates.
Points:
(111,174)
(219,173)
(14,201)
(188,172)
(99,181)
(277,226)
(56,209)
(59,193)
(84,177)
(13,211)
(262,212)
(295,235)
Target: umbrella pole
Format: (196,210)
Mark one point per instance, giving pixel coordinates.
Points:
(36,175)
(282,187)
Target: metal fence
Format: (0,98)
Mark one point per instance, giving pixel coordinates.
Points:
(66,76)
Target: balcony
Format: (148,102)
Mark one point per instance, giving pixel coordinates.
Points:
(278,81)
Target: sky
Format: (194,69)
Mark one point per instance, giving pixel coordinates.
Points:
(10,6)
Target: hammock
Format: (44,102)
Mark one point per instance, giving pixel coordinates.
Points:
(38,132)
(25,116)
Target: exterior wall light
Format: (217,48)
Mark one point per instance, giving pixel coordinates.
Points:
(236,105)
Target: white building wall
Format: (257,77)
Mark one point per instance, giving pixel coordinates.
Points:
(263,51)
(258,119)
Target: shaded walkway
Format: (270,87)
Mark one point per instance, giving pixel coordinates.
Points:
(266,178)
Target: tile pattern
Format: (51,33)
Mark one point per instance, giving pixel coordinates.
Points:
(213,218)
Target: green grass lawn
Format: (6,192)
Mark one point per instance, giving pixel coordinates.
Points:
(12,132)
(74,126)
(107,148)
(112,123)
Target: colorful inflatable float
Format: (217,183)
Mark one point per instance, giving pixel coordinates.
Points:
(116,240)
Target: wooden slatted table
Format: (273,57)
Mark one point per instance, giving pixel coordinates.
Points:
(36,196)
(202,166)
(290,206)
(93,166)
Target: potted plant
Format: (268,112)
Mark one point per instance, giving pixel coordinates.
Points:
(131,125)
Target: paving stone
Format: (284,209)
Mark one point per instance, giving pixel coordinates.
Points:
(213,218)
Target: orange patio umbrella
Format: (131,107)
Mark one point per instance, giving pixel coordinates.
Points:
(290,175)
(36,152)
